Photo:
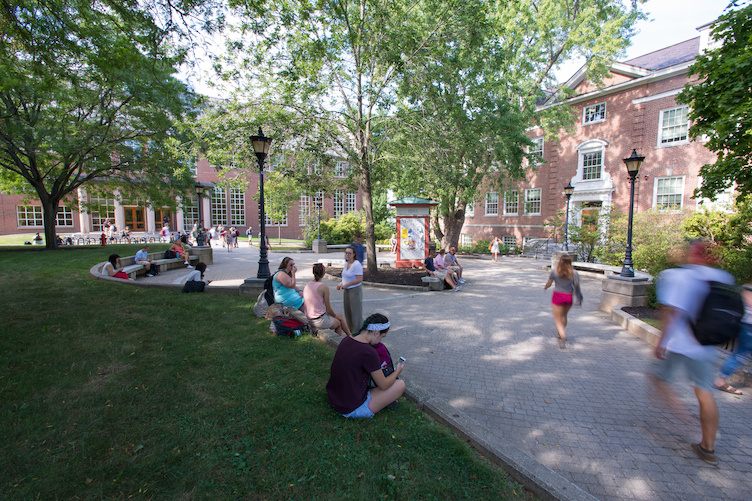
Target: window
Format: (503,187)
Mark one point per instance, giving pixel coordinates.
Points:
(511,203)
(592,165)
(674,125)
(492,203)
(304,209)
(669,193)
(237,207)
(190,212)
(340,169)
(64,217)
(466,240)
(470,210)
(537,149)
(29,215)
(509,240)
(104,208)
(533,202)
(339,203)
(594,114)
(351,202)
(268,220)
(219,206)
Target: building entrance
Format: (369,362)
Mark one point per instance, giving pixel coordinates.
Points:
(134,218)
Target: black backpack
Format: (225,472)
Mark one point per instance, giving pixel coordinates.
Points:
(269,289)
(720,317)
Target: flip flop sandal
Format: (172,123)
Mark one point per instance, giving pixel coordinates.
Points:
(729,389)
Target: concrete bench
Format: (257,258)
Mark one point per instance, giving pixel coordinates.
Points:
(434,283)
(605,269)
(133,270)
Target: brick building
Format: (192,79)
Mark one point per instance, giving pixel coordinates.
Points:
(635,108)
(225,206)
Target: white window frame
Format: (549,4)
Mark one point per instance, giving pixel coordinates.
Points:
(97,219)
(509,203)
(537,149)
(339,203)
(663,129)
(466,240)
(530,200)
(190,211)
(509,240)
(340,169)
(588,157)
(237,207)
(219,206)
(351,201)
(29,216)
(661,206)
(64,217)
(491,204)
(304,209)
(593,114)
(470,209)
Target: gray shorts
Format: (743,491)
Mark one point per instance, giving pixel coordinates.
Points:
(701,373)
(325,321)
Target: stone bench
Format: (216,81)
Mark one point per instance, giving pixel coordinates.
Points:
(133,270)
(434,283)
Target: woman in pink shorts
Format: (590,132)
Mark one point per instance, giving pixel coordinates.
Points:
(565,279)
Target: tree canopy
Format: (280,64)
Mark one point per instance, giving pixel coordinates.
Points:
(88,97)
(721,104)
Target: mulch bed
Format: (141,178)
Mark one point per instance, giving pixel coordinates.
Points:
(641,312)
(395,276)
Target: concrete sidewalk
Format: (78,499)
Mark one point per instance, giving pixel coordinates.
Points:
(488,356)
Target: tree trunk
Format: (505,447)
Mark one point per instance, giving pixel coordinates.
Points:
(49,213)
(365,184)
(452,226)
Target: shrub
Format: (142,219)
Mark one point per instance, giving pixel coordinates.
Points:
(481,247)
(343,230)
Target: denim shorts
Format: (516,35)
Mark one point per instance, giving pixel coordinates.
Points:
(701,373)
(363,411)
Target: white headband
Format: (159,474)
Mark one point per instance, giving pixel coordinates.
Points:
(378,327)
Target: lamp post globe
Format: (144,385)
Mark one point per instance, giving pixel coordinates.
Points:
(261,146)
(633,164)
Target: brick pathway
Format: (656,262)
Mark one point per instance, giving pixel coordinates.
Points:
(585,412)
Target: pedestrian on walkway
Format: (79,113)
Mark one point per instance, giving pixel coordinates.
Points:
(743,346)
(352,277)
(356,359)
(494,247)
(566,281)
(682,291)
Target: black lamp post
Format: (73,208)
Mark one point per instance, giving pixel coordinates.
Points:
(568,190)
(633,164)
(200,193)
(261,145)
(318,207)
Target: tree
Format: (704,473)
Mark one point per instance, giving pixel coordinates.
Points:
(721,104)
(280,194)
(88,98)
(335,63)
(466,112)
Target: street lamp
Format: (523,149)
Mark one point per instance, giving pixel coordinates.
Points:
(200,193)
(568,190)
(261,145)
(633,164)
(318,207)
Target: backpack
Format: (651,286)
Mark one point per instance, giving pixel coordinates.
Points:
(269,289)
(287,326)
(720,317)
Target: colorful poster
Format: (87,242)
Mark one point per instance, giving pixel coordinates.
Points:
(413,238)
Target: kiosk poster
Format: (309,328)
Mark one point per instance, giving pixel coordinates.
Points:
(413,238)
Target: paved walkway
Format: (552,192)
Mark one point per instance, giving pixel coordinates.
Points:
(585,412)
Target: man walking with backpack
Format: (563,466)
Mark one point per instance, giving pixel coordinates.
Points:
(683,292)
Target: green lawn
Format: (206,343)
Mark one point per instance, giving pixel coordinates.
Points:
(117,392)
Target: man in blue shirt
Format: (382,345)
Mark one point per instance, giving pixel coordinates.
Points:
(142,257)
(360,249)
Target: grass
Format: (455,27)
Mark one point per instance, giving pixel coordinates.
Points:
(119,392)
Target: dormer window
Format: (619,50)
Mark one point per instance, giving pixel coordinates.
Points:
(594,114)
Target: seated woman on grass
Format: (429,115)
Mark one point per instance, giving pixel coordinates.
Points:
(285,290)
(317,307)
(112,268)
(354,361)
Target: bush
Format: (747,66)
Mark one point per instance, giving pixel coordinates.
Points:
(481,247)
(343,230)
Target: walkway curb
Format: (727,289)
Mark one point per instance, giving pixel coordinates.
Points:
(641,329)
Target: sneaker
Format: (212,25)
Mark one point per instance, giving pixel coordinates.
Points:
(190,267)
(706,455)
(462,280)
(393,405)
(457,288)
(149,275)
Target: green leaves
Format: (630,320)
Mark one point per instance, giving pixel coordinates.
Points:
(721,105)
